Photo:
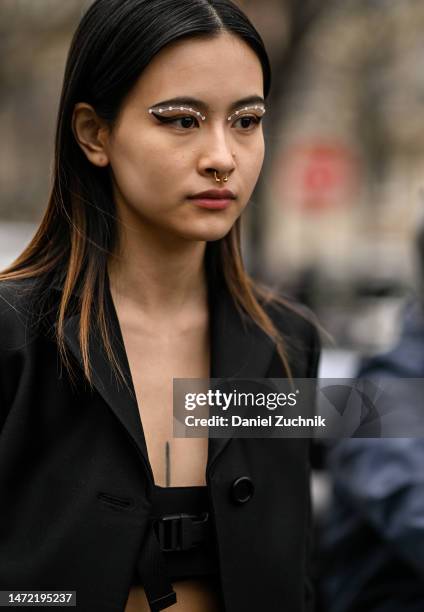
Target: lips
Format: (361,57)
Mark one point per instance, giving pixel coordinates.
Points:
(214,194)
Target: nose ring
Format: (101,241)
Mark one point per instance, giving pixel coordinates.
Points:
(218,180)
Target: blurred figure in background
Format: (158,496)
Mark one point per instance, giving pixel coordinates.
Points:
(373,534)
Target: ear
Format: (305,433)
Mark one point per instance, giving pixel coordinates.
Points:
(90,133)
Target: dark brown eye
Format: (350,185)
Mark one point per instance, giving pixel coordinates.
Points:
(187,122)
(248,122)
(183,121)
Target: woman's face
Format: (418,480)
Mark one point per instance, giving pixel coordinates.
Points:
(158,164)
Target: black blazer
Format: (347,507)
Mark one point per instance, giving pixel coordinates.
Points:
(74,470)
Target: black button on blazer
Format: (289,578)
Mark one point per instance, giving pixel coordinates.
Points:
(75,475)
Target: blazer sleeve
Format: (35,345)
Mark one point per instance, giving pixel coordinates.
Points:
(13,340)
(301,337)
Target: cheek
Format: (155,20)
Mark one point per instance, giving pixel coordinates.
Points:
(253,162)
(141,164)
(260,151)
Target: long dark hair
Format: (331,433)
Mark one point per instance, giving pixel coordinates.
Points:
(113,44)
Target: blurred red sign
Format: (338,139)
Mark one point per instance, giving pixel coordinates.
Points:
(319,175)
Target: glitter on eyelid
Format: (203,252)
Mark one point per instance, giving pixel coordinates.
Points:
(252,107)
(259,107)
(180,108)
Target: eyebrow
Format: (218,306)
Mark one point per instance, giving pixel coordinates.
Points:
(185,101)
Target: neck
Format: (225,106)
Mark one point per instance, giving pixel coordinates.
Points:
(157,275)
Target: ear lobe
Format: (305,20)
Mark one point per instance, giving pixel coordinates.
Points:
(89,132)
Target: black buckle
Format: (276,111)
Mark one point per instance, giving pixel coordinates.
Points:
(178,531)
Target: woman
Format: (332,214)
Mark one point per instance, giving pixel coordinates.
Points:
(134,278)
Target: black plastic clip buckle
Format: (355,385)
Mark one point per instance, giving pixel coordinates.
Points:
(178,531)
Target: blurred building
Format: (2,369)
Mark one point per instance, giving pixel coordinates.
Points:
(343,192)
(34,40)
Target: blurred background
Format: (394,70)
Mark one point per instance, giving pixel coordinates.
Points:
(341,201)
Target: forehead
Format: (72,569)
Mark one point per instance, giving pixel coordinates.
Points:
(216,70)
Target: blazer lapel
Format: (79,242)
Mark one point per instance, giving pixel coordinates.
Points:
(239,349)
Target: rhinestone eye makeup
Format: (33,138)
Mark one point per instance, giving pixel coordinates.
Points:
(180,108)
(258,107)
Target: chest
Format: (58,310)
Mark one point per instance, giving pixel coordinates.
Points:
(155,357)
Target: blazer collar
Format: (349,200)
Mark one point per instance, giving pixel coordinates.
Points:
(239,349)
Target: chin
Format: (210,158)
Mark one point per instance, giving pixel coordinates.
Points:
(209,234)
